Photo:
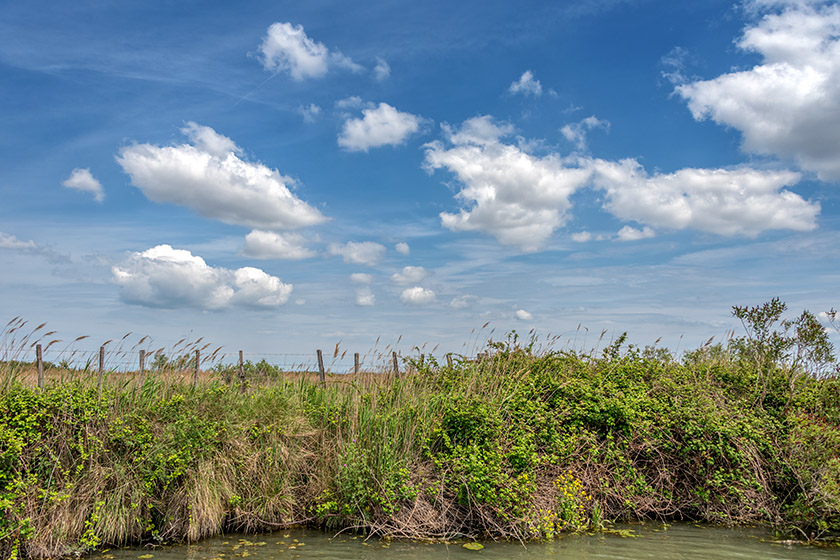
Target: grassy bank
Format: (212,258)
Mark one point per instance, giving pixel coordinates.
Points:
(520,445)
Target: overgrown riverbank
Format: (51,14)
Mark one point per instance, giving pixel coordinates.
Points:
(518,445)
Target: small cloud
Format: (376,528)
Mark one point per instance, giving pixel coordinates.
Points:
(382,71)
(364,252)
(523,315)
(418,296)
(9,241)
(402,248)
(361,278)
(576,132)
(674,66)
(365,297)
(164,277)
(350,103)
(300,301)
(82,180)
(462,302)
(382,126)
(526,85)
(409,275)
(628,233)
(310,112)
(287,48)
(581,237)
(270,245)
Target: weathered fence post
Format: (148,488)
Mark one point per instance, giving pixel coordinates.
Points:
(396,365)
(39,360)
(195,374)
(101,368)
(422,359)
(142,365)
(321,371)
(449,359)
(356,363)
(241,372)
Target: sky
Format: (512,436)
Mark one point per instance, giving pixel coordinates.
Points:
(278,177)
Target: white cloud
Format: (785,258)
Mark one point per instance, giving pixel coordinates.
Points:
(352,102)
(9,241)
(364,252)
(576,132)
(170,278)
(209,176)
(365,297)
(409,275)
(526,85)
(402,248)
(82,180)
(629,233)
(462,302)
(270,245)
(361,278)
(789,105)
(728,202)
(287,48)
(310,112)
(517,197)
(383,70)
(381,126)
(581,237)
(418,296)
(523,315)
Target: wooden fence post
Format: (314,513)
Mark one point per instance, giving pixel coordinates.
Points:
(449,359)
(195,374)
(39,359)
(101,368)
(142,365)
(321,367)
(356,363)
(396,365)
(241,372)
(422,359)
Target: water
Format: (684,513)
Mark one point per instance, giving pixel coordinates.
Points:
(674,542)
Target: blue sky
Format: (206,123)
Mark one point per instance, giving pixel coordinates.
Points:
(279,177)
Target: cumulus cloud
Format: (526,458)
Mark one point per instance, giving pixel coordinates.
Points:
(382,71)
(789,105)
(418,296)
(523,315)
(409,275)
(210,176)
(82,180)
(402,248)
(365,297)
(287,48)
(9,241)
(310,112)
(364,252)
(462,302)
(526,85)
(730,202)
(629,233)
(170,278)
(517,197)
(576,132)
(380,126)
(270,245)
(581,237)
(361,278)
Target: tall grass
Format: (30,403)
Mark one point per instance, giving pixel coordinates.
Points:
(527,442)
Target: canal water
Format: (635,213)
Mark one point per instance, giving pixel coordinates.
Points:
(662,542)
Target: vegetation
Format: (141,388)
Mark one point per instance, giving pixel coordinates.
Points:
(522,444)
